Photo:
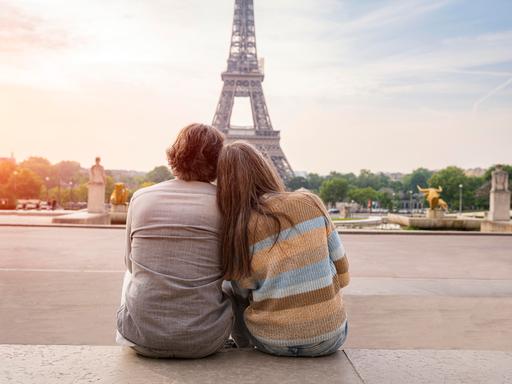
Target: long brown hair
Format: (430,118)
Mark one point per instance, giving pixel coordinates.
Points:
(244,176)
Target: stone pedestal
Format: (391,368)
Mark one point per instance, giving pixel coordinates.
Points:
(96,198)
(496,226)
(83,218)
(434,214)
(118,213)
(499,206)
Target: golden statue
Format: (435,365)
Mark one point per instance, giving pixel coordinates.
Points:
(433,197)
(119,195)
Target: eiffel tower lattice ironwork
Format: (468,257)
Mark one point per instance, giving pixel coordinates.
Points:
(243,78)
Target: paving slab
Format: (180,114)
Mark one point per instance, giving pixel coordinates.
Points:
(35,364)
(62,248)
(62,286)
(414,256)
(424,257)
(432,366)
(46,307)
(385,286)
(424,322)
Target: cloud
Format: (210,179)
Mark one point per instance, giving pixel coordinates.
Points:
(394,12)
(491,94)
(21,31)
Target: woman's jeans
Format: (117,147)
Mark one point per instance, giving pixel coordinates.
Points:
(243,337)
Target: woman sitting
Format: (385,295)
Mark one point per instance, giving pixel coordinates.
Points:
(283,257)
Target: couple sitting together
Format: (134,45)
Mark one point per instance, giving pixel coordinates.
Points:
(241,259)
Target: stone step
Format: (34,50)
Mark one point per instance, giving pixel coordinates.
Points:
(59,364)
(62,364)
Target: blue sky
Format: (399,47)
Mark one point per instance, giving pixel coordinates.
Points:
(384,85)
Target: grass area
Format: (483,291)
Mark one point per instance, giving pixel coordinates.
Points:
(348,218)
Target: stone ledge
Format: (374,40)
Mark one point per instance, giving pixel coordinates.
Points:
(497,226)
(432,366)
(60,364)
(341,231)
(84,218)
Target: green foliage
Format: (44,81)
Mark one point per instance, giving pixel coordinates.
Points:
(24,184)
(39,165)
(66,171)
(449,179)
(396,185)
(385,198)
(297,182)
(314,181)
(373,180)
(109,187)
(6,170)
(419,176)
(334,190)
(159,174)
(362,195)
(32,173)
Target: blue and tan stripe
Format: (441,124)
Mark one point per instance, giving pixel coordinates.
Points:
(289,233)
(303,275)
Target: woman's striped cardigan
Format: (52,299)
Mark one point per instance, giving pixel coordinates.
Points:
(295,287)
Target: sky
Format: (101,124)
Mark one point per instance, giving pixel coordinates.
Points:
(380,85)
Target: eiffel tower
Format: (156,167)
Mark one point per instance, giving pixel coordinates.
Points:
(243,78)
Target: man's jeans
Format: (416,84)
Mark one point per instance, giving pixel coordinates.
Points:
(243,337)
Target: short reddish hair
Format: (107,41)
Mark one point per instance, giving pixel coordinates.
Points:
(194,154)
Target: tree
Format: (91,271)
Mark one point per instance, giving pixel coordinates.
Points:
(368,179)
(472,199)
(314,181)
(7,167)
(334,190)
(25,184)
(297,182)
(396,185)
(39,165)
(362,195)
(159,174)
(385,198)
(66,171)
(419,176)
(109,187)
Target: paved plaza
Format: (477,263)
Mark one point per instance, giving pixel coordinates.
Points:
(422,308)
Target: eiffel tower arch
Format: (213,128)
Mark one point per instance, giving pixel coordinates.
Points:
(243,78)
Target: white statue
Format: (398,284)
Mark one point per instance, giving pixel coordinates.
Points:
(499,207)
(97,173)
(96,195)
(499,179)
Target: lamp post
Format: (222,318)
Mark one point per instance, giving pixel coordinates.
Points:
(70,195)
(410,201)
(47,179)
(460,198)
(15,174)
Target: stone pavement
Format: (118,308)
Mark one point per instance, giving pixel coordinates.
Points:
(422,309)
(44,364)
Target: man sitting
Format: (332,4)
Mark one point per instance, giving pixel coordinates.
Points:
(172,301)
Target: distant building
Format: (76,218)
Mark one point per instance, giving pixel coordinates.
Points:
(474,172)
(11,159)
(301,174)
(395,176)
